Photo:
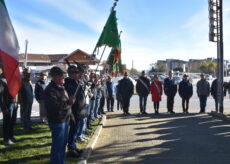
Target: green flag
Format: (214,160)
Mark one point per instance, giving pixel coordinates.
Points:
(109,35)
(114,60)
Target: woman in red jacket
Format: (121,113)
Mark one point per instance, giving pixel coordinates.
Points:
(156,91)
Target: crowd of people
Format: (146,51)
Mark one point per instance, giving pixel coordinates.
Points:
(71,103)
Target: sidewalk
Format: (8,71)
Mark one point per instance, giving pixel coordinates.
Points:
(165,138)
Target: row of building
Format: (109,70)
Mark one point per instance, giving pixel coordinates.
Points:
(192,65)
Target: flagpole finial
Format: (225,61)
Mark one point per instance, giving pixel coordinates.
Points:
(114,4)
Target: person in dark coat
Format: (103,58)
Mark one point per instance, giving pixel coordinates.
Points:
(214,93)
(185,91)
(203,91)
(58,107)
(9,107)
(39,95)
(125,88)
(170,89)
(71,84)
(26,100)
(143,89)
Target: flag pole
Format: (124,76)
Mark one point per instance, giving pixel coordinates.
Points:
(25,56)
(100,59)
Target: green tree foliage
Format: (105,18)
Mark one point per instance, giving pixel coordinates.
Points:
(179,68)
(161,67)
(208,67)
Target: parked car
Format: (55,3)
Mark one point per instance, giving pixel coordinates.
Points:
(208,77)
(177,79)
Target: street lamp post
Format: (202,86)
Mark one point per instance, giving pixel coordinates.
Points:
(216,35)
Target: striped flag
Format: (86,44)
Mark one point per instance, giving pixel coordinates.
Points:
(9,49)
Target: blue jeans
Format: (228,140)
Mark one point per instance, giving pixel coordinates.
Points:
(73,132)
(96,107)
(25,112)
(92,104)
(59,132)
(9,120)
(83,125)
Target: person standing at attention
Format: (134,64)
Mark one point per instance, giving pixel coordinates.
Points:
(125,87)
(185,91)
(170,89)
(143,88)
(58,107)
(39,95)
(203,91)
(156,91)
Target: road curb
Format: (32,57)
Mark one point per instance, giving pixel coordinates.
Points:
(89,148)
(220,116)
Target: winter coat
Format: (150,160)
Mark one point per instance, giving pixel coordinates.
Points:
(185,89)
(26,93)
(57,103)
(214,89)
(143,86)
(40,87)
(125,87)
(203,88)
(71,85)
(170,88)
(156,93)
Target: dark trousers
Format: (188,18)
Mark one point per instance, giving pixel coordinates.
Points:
(110,103)
(216,103)
(9,120)
(142,101)
(203,101)
(125,103)
(185,104)
(156,107)
(170,103)
(102,104)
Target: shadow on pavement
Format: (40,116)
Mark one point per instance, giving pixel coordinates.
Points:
(169,139)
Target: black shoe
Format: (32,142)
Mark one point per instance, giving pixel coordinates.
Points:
(128,113)
(103,113)
(144,112)
(172,112)
(79,151)
(73,154)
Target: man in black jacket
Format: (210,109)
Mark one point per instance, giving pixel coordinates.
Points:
(214,93)
(72,84)
(170,89)
(58,107)
(185,91)
(143,88)
(39,95)
(125,87)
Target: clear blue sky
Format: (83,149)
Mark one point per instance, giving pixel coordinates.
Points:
(152,29)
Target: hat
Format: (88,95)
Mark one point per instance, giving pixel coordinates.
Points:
(143,72)
(126,74)
(55,71)
(185,75)
(73,69)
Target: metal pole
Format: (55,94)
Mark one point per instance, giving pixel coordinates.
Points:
(221,53)
(100,59)
(25,57)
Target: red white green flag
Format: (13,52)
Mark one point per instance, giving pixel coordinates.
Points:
(9,50)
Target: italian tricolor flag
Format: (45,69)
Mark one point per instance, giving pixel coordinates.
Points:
(9,49)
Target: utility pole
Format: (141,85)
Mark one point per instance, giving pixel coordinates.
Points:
(216,35)
(25,55)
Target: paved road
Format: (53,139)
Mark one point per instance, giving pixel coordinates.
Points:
(163,139)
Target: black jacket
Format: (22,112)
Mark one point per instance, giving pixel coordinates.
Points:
(57,103)
(71,86)
(39,90)
(214,89)
(170,88)
(185,89)
(143,89)
(125,87)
